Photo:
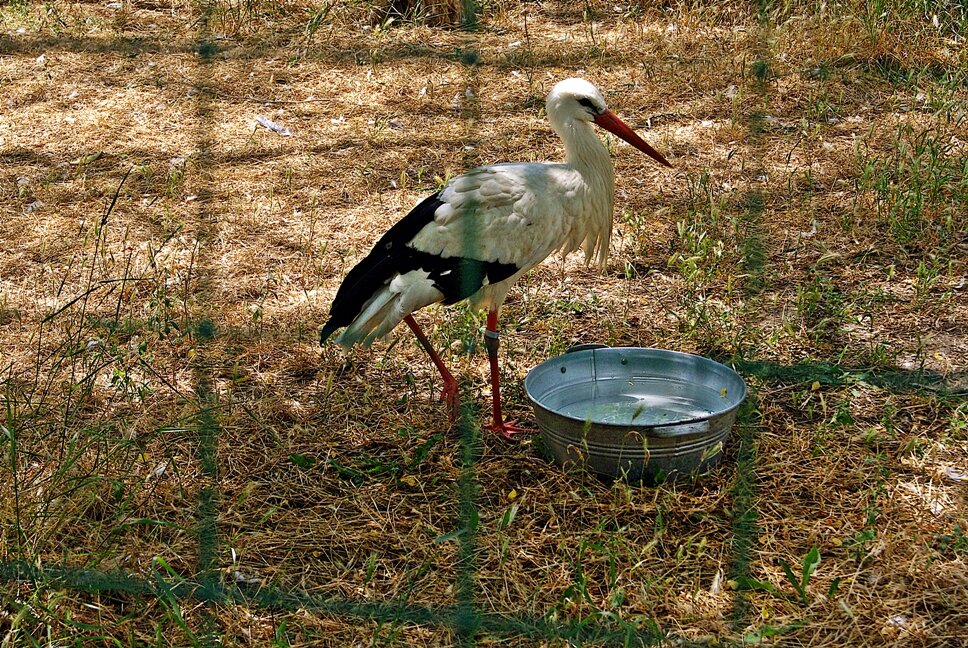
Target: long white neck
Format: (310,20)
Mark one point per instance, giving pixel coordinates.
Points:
(585,153)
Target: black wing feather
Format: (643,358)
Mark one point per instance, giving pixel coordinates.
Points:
(456,277)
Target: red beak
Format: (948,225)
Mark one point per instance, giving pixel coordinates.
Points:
(613,124)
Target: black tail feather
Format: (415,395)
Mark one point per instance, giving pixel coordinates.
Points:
(327,331)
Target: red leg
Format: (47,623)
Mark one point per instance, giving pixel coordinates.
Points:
(506,429)
(449,394)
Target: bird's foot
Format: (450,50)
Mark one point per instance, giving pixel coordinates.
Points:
(450,396)
(509,430)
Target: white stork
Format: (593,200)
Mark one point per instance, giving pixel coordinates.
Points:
(485,229)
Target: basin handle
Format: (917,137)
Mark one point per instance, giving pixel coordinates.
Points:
(586,347)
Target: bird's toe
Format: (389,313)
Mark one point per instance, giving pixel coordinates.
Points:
(450,396)
(510,430)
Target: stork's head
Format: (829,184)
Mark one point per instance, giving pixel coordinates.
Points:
(577,100)
(574,100)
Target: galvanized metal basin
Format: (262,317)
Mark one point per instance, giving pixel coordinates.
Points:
(639,414)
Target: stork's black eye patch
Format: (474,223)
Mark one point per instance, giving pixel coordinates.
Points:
(587,103)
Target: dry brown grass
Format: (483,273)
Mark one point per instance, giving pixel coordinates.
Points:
(435,13)
(161,371)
